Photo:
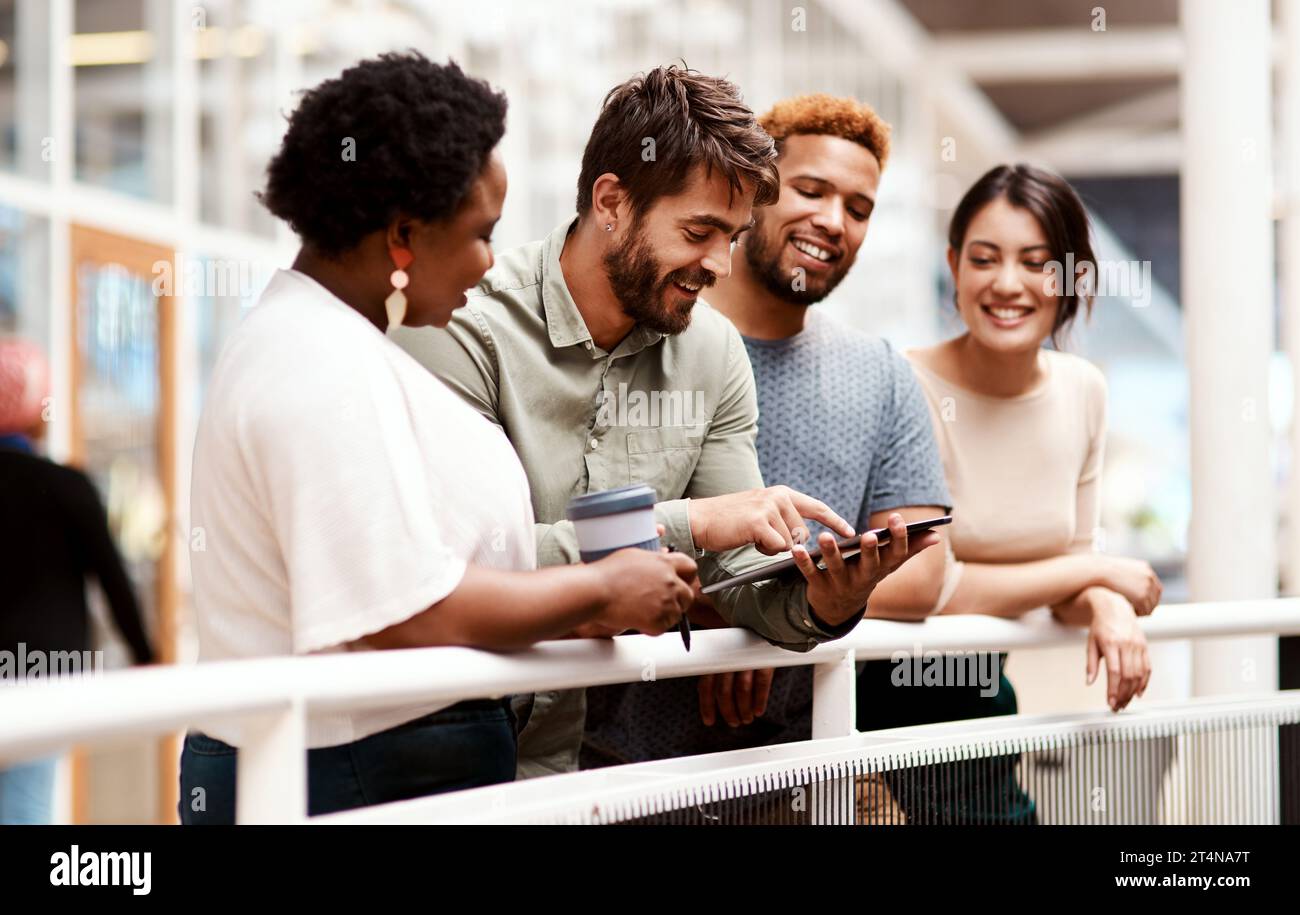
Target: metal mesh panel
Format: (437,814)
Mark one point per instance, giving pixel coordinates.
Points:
(1229,760)
(1222,770)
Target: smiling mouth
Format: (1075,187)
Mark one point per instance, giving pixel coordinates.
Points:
(1007,312)
(689,290)
(813,250)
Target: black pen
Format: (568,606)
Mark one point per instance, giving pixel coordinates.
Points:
(685,625)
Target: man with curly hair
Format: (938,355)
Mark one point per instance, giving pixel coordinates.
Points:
(868,451)
(569,339)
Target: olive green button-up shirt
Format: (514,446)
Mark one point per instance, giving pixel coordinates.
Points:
(676,412)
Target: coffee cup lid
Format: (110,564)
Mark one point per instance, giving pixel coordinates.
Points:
(611,502)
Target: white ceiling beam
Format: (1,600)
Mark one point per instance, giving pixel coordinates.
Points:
(1149,110)
(1144,129)
(1101,151)
(1031,55)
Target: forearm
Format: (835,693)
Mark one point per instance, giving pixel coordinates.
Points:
(1013,589)
(499,609)
(776,609)
(126,614)
(912,591)
(1077,610)
(120,595)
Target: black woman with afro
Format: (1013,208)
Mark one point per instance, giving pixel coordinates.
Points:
(350,502)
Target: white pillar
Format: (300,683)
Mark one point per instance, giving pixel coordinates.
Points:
(33,21)
(159,113)
(229,156)
(287,78)
(1227,264)
(59,284)
(1289,265)
(32,87)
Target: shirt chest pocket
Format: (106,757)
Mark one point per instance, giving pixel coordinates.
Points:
(664,457)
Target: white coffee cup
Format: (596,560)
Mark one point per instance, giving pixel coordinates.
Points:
(614,520)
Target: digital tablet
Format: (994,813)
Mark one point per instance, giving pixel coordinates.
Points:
(848,547)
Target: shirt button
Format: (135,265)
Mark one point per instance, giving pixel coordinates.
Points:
(588,345)
(594,444)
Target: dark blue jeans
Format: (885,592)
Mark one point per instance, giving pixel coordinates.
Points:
(467,745)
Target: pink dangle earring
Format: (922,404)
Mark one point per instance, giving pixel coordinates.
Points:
(395,304)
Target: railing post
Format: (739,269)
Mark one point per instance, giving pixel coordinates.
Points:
(835,697)
(834,714)
(272,778)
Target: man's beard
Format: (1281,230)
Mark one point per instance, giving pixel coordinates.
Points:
(764,259)
(633,272)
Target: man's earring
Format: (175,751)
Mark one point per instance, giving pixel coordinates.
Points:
(395,304)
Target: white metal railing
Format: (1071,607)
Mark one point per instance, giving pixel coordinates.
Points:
(1210,760)
(273,697)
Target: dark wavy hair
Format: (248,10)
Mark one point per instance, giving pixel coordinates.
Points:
(419,134)
(1060,214)
(693,120)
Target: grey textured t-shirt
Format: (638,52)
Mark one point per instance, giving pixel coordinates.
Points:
(840,417)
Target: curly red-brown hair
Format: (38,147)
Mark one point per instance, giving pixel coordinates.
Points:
(829,114)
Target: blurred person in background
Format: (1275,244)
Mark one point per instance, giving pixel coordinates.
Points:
(1021,430)
(55,536)
(567,335)
(350,500)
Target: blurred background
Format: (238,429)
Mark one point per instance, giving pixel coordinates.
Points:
(134,133)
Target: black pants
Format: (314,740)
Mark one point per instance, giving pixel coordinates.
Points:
(465,746)
(968,792)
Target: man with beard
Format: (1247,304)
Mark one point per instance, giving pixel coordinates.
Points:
(587,348)
(867,449)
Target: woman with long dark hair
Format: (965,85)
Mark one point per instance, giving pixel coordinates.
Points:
(1021,430)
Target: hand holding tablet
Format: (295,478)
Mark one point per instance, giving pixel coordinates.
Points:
(848,546)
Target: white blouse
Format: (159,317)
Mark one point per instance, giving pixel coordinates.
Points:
(338,489)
